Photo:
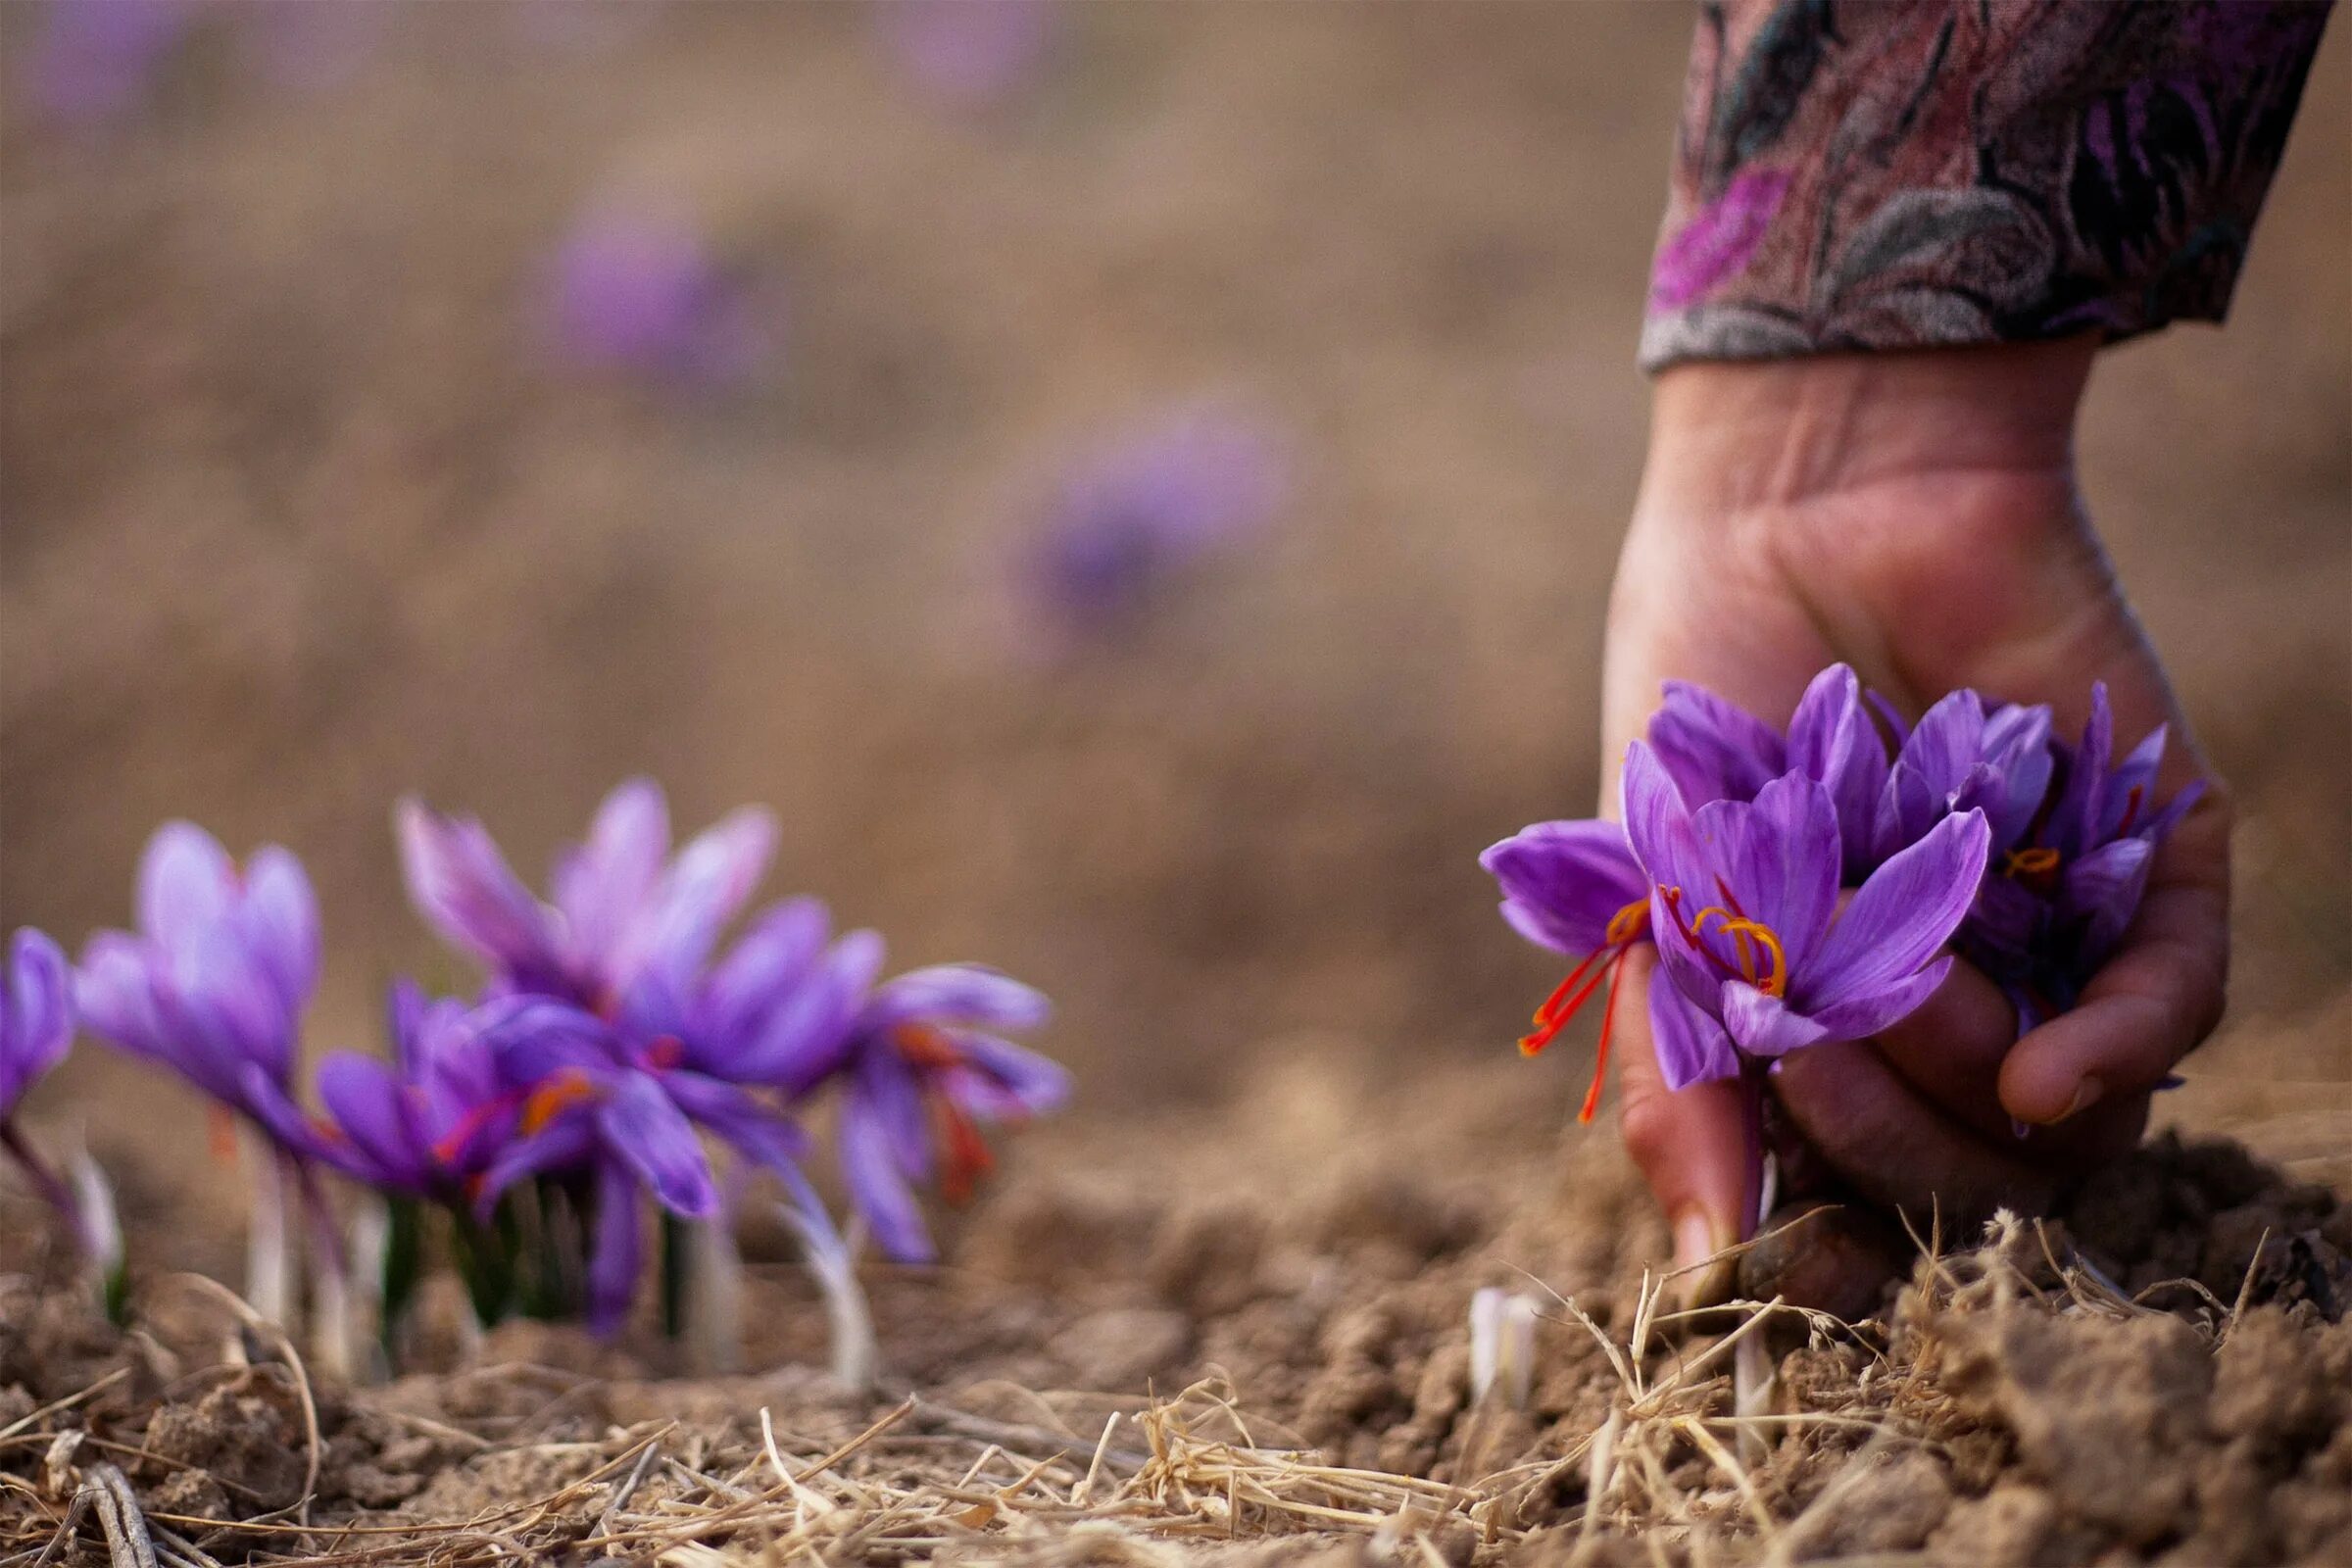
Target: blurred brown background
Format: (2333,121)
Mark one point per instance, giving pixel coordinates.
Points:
(297,513)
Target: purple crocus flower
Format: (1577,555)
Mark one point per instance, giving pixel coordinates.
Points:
(95,60)
(628,925)
(1745,913)
(635,288)
(36,1017)
(2066,887)
(1134,513)
(214,982)
(927,1062)
(587,1099)
(970,53)
(431,1121)
(1575,888)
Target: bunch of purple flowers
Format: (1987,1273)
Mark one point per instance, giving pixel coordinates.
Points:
(1802,887)
(611,1049)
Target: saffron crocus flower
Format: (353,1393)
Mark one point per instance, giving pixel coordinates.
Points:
(1744,913)
(36,1026)
(926,1068)
(1960,757)
(636,288)
(36,1017)
(213,983)
(2066,888)
(96,60)
(1575,888)
(1129,516)
(627,924)
(430,1122)
(970,52)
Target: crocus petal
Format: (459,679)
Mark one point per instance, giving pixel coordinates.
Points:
(2077,820)
(2163,822)
(376,1114)
(1766,1026)
(188,884)
(601,886)
(674,932)
(1657,821)
(114,993)
(1781,858)
(281,925)
(773,956)
(36,1024)
(531,1039)
(1833,739)
(2103,890)
(1859,1017)
(1712,748)
(889,1089)
(748,1125)
(806,1038)
(615,1257)
(1903,914)
(1011,1081)
(2135,773)
(1691,1046)
(2017,743)
(958,993)
(643,1127)
(1947,742)
(564,1144)
(263,1099)
(220,988)
(876,1189)
(463,889)
(1564,882)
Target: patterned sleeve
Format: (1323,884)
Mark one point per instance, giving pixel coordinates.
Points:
(1898,174)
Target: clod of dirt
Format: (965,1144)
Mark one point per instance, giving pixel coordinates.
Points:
(246,1434)
(1886,1504)
(1206,1260)
(1119,1349)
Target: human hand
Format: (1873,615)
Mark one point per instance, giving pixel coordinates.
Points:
(1915,516)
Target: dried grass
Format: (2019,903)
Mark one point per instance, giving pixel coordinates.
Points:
(1674,1464)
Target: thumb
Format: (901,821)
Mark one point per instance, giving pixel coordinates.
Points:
(1690,1144)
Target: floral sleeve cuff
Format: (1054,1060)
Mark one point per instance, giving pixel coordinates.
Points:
(1913,172)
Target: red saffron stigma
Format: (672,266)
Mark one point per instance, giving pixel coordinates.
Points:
(967,1156)
(2130,811)
(1600,1060)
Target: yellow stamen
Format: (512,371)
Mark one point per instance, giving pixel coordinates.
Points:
(2030,863)
(1750,938)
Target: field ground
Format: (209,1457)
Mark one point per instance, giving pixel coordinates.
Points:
(297,520)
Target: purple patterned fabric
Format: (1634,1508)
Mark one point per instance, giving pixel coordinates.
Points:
(1912,172)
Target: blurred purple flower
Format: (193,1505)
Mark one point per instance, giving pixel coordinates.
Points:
(2068,884)
(632,288)
(214,984)
(970,53)
(629,927)
(927,1065)
(431,1121)
(96,60)
(36,1017)
(1129,516)
(1744,913)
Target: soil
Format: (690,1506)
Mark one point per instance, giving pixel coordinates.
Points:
(297,519)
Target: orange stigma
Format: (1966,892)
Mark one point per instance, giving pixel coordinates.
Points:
(2036,867)
(550,1100)
(1628,925)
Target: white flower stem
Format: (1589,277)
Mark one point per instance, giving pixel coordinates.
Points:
(268,1239)
(713,1295)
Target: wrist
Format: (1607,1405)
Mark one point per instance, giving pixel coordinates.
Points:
(1734,438)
